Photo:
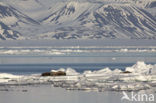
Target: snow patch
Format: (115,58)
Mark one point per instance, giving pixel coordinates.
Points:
(9,20)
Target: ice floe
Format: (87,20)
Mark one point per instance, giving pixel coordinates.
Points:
(140,76)
(142,68)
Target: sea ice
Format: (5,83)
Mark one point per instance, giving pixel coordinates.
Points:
(142,68)
(141,76)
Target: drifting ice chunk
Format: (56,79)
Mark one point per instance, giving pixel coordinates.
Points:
(68,71)
(141,68)
(131,87)
(5,77)
(102,72)
(61,69)
(71,71)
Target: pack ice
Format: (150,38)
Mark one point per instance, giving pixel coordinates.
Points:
(138,77)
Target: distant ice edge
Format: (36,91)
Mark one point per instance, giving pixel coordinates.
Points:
(142,77)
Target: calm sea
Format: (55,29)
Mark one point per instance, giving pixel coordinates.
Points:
(39,68)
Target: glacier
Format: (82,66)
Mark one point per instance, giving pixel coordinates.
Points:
(142,77)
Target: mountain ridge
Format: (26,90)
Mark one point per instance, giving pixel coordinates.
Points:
(73,19)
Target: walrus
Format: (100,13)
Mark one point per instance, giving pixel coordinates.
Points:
(126,72)
(58,73)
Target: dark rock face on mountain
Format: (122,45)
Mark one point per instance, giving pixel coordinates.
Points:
(8,34)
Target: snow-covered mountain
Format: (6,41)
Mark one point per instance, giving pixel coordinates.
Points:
(106,21)
(13,17)
(81,19)
(9,18)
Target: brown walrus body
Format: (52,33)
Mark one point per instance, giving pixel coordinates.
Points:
(126,72)
(59,73)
